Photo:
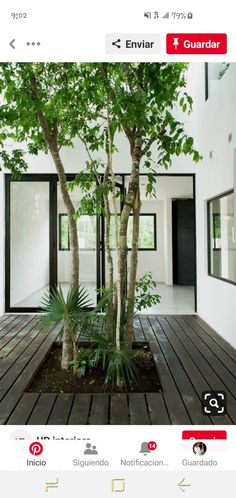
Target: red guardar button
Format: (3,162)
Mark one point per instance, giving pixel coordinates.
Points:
(196,43)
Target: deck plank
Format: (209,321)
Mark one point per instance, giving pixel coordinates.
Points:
(185,387)
(61,409)
(138,332)
(18,340)
(99,414)
(5,319)
(23,410)
(42,409)
(138,409)
(119,409)
(26,370)
(173,400)
(185,351)
(80,410)
(157,409)
(216,351)
(214,380)
(7,329)
(216,337)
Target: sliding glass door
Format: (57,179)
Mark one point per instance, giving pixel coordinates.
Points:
(28,243)
(38,252)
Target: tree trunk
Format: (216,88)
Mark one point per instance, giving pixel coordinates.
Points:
(129,204)
(133,272)
(74,244)
(69,349)
(52,143)
(110,317)
(51,139)
(110,135)
(67,346)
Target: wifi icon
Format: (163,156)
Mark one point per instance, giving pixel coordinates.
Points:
(166,16)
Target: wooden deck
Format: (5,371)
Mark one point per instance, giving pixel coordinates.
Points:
(189,355)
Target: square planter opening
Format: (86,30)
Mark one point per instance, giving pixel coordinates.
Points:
(51,378)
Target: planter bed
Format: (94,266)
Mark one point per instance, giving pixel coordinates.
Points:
(51,378)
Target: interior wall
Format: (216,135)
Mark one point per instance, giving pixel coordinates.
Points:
(159,262)
(216,298)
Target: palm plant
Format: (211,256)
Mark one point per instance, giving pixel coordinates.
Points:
(71,310)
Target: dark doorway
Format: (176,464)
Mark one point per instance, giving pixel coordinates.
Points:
(183,224)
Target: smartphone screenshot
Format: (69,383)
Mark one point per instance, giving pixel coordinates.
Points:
(117,249)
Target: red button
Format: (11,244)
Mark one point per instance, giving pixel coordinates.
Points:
(196,43)
(204,434)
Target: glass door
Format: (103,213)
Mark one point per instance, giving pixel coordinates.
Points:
(38,254)
(28,272)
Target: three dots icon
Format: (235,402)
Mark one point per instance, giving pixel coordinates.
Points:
(33,44)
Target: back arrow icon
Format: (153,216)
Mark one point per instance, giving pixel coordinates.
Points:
(12,43)
(183,485)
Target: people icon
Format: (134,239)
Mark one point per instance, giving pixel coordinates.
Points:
(90,450)
(199,448)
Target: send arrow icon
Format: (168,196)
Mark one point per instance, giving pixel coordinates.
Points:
(182,485)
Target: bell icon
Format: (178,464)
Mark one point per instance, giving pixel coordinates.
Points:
(144,448)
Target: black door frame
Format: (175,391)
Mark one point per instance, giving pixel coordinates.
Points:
(52,181)
(52,178)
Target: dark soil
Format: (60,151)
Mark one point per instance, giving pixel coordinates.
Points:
(50,377)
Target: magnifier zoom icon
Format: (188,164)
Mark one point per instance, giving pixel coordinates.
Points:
(214,403)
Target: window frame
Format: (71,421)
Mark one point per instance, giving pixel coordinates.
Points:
(154,215)
(154,248)
(210,274)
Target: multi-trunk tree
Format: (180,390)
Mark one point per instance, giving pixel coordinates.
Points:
(50,106)
(140,101)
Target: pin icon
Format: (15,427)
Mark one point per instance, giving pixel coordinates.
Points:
(36,448)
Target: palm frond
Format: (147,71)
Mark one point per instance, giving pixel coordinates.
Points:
(56,306)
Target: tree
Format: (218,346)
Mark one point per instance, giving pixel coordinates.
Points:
(138,100)
(48,106)
(43,107)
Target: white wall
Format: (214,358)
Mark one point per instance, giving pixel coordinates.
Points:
(159,262)
(217,119)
